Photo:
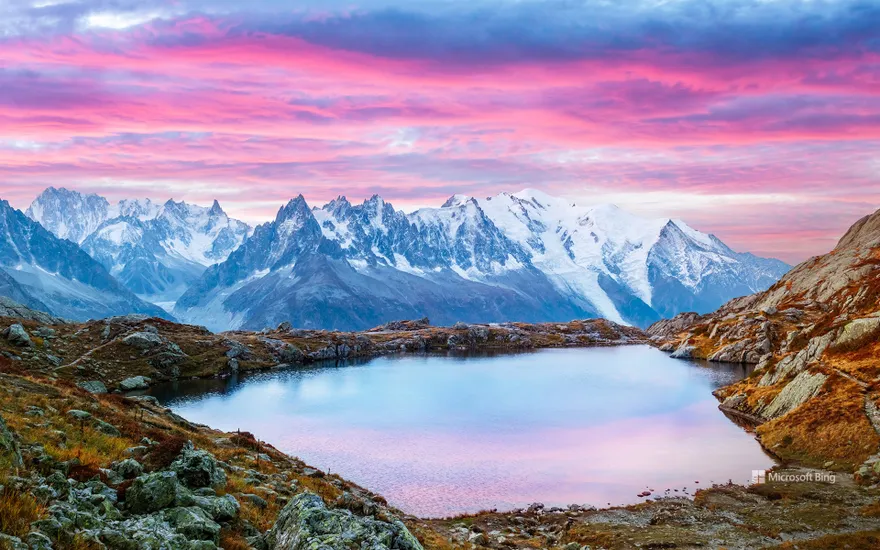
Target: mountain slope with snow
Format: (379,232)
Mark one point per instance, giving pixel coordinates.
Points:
(155,250)
(43,271)
(525,256)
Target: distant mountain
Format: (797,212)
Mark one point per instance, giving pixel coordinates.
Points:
(41,271)
(155,250)
(524,256)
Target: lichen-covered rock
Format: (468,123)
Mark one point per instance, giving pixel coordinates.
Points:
(128,468)
(153,492)
(135,383)
(307,524)
(12,543)
(193,523)
(9,445)
(18,336)
(143,340)
(803,387)
(857,332)
(93,386)
(796,363)
(38,541)
(223,508)
(198,468)
(684,351)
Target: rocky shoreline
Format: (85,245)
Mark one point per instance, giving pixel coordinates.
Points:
(131,352)
(124,472)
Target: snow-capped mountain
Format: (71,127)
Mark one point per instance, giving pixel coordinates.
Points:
(524,256)
(155,250)
(51,274)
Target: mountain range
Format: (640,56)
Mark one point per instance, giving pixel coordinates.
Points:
(526,256)
(155,250)
(43,272)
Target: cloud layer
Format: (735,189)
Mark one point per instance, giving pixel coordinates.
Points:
(758,121)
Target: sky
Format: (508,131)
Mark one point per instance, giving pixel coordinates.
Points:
(755,120)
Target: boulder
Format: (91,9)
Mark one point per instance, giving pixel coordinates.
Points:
(135,383)
(9,445)
(803,387)
(193,523)
(857,333)
(306,523)
(223,508)
(143,340)
(198,468)
(128,468)
(153,492)
(93,386)
(18,336)
(684,351)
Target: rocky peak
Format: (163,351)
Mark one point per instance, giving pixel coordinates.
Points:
(216,210)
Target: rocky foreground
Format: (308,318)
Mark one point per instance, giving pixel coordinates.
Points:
(82,467)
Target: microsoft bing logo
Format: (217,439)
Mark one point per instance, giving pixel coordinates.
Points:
(759,477)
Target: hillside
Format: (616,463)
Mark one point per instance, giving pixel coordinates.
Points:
(813,338)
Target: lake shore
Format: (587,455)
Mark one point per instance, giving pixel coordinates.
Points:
(37,396)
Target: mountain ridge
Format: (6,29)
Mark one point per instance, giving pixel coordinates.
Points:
(518,249)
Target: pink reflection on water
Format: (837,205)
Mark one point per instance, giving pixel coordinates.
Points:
(441,473)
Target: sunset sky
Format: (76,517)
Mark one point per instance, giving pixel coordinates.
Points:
(756,120)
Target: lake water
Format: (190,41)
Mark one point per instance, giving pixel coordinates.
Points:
(440,435)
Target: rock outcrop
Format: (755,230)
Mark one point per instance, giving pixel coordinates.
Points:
(306,524)
(812,337)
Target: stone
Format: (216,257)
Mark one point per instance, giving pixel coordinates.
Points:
(135,383)
(12,543)
(143,340)
(198,468)
(224,508)
(128,468)
(79,415)
(38,541)
(93,386)
(684,351)
(9,445)
(106,428)
(857,332)
(306,523)
(153,492)
(18,336)
(193,523)
(802,388)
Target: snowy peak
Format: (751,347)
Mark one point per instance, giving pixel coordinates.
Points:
(52,210)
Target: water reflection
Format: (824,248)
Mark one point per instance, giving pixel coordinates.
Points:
(445,434)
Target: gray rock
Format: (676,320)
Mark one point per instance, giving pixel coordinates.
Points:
(18,336)
(223,508)
(93,386)
(306,523)
(858,332)
(684,351)
(802,388)
(12,543)
(143,340)
(106,428)
(38,541)
(135,383)
(193,523)
(79,415)
(128,468)
(9,445)
(153,492)
(198,468)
